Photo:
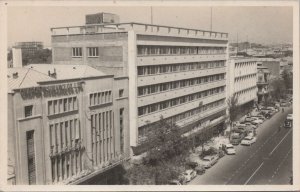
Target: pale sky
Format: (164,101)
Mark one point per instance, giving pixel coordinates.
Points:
(261,24)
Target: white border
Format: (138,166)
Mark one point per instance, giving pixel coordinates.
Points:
(3,95)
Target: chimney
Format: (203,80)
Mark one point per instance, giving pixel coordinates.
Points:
(15,75)
(17,57)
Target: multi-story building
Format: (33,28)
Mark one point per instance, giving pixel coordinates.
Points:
(65,123)
(263,78)
(29,47)
(273,65)
(242,80)
(175,73)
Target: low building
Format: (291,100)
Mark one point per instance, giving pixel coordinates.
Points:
(65,122)
(242,80)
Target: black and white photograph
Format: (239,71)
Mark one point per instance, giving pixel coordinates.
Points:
(109,94)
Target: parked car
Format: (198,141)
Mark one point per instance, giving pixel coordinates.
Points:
(192,164)
(229,149)
(200,169)
(249,140)
(284,104)
(252,126)
(189,174)
(249,119)
(290,116)
(258,120)
(236,138)
(209,161)
(174,182)
(261,117)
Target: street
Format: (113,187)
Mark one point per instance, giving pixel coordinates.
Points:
(268,161)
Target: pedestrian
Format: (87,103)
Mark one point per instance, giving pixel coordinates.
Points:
(282,110)
(279,128)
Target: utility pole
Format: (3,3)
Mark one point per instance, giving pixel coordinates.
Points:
(237,43)
(210,18)
(151,17)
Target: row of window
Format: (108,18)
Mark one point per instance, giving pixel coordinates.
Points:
(122,130)
(145,130)
(62,105)
(91,51)
(245,64)
(66,166)
(250,76)
(171,68)
(102,137)
(177,101)
(64,136)
(156,88)
(246,90)
(100,98)
(178,50)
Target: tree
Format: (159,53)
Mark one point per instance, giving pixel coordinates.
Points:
(40,56)
(165,160)
(288,79)
(277,90)
(234,110)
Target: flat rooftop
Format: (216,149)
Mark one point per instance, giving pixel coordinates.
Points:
(139,28)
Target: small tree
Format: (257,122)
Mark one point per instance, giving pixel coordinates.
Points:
(287,78)
(234,110)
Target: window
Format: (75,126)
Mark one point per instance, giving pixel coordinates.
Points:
(76,52)
(93,52)
(28,110)
(121,92)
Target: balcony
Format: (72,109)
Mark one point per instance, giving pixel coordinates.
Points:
(202,115)
(171,59)
(171,111)
(174,93)
(175,76)
(262,82)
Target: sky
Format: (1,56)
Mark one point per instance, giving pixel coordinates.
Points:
(266,25)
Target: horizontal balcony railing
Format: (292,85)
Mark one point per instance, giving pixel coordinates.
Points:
(199,116)
(171,59)
(168,77)
(139,27)
(169,112)
(174,93)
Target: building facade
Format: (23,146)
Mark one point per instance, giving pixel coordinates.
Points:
(263,78)
(175,73)
(242,80)
(64,126)
(29,47)
(273,66)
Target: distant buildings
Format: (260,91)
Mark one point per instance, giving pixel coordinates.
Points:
(242,80)
(175,73)
(29,47)
(64,122)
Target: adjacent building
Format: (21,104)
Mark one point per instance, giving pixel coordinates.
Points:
(263,78)
(242,80)
(65,122)
(273,65)
(175,73)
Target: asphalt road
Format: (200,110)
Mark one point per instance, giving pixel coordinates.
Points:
(268,161)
